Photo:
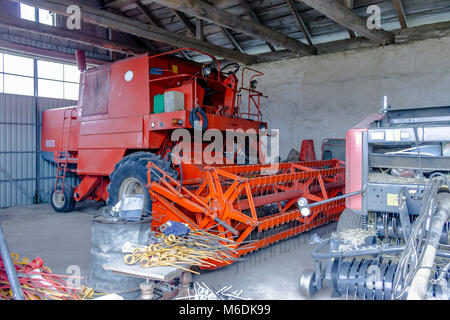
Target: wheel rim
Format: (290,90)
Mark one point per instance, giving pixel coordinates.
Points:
(307,283)
(58,199)
(131,187)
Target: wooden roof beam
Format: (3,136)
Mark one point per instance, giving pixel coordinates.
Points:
(199,29)
(140,29)
(401,13)
(244,4)
(146,12)
(349,4)
(193,30)
(336,11)
(185,20)
(78,36)
(230,38)
(205,11)
(300,21)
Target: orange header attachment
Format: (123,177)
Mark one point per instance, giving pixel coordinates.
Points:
(252,205)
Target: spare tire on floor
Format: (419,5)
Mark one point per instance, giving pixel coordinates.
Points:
(130,177)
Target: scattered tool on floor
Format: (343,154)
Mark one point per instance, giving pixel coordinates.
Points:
(204,292)
(180,247)
(38,282)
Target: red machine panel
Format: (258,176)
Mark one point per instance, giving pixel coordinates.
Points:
(354,160)
(98,161)
(129,93)
(52,121)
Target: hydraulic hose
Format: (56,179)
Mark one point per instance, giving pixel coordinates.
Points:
(420,281)
(193,116)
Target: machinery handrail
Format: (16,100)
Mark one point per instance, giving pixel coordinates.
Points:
(251,94)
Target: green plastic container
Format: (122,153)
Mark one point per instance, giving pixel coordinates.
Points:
(158,103)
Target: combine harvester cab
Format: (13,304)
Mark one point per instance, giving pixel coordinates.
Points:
(392,239)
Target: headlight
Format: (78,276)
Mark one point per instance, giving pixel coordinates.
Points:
(303,205)
(206,71)
(253,84)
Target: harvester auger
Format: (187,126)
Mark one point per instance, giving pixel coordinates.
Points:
(252,205)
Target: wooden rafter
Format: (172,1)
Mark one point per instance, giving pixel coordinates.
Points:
(203,10)
(244,4)
(349,4)
(300,22)
(199,29)
(140,29)
(38,51)
(144,42)
(14,23)
(401,13)
(146,12)
(230,38)
(180,15)
(338,12)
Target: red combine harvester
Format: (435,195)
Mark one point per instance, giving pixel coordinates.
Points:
(124,122)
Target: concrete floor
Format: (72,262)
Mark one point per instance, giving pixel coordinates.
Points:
(62,240)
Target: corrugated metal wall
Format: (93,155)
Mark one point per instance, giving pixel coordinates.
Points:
(24,176)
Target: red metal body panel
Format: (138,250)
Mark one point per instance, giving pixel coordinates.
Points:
(132,97)
(353,173)
(112,133)
(98,161)
(354,160)
(52,121)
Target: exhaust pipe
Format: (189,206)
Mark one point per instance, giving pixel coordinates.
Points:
(80,57)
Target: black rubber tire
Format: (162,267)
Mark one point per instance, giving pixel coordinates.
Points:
(135,166)
(349,220)
(68,202)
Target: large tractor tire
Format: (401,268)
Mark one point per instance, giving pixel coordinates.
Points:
(349,220)
(130,177)
(62,201)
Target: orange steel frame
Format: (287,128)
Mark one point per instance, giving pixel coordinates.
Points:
(228,199)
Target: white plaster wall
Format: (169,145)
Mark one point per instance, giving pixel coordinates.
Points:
(323,96)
